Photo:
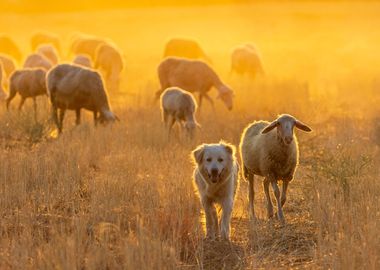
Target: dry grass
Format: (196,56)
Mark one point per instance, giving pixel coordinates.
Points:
(121,196)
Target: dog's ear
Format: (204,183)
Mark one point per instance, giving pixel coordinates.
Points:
(230,149)
(198,154)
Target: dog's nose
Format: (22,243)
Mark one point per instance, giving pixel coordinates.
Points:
(214,172)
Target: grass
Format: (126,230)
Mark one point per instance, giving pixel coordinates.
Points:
(122,197)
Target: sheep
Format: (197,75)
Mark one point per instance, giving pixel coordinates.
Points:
(179,105)
(44,38)
(109,61)
(71,87)
(9,66)
(8,46)
(28,83)
(246,60)
(86,45)
(3,94)
(272,154)
(82,60)
(193,76)
(49,52)
(185,48)
(36,60)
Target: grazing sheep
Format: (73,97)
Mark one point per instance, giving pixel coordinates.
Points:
(72,87)
(36,60)
(179,105)
(82,60)
(49,52)
(194,76)
(271,150)
(28,83)
(86,45)
(216,177)
(246,60)
(110,63)
(9,66)
(186,48)
(3,94)
(44,38)
(8,46)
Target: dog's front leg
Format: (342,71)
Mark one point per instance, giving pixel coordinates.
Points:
(211,223)
(227,206)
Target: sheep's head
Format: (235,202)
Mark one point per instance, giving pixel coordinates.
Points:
(226,95)
(285,124)
(190,127)
(107,117)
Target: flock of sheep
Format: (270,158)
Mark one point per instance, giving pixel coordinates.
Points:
(268,149)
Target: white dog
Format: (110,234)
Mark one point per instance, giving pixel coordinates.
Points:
(216,177)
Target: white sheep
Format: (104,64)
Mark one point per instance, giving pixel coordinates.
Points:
(271,150)
(187,48)
(9,66)
(28,83)
(49,52)
(87,45)
(193,76)
(71,87)
(3,94)
(245,59)
(36,60)
(43,38)
(179,106)
(109,62)
(82,60)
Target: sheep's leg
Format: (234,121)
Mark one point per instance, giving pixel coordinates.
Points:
(61,116)
(227,206)
(21,103)
(77,114)
(12,94)
(250,178)
(95,118)
(211,219)
(55,116)
(269,200)
(171,121)
(276,190)
(283,193)
(35,108)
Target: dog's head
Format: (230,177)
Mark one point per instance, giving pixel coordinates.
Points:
(214,161)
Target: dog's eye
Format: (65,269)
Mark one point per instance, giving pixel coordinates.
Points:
(208,159)
(220,159)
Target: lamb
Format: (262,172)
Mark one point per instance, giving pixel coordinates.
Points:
(179,105)
(86,45)
(71,87)
(271,150)
(44,38)
(110,63)
(82,60)
(36,60)
(8,46)
(49,52)
(186,48)
(28,83)
(246,60)
(193,76)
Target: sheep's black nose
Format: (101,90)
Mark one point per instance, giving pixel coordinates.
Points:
(288,140)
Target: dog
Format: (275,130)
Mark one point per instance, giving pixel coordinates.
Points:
(216,178)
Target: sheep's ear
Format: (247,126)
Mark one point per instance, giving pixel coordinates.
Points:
(198,154)
(198,126)
(302,126)
(270,127)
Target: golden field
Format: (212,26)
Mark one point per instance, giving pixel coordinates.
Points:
(122,197)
